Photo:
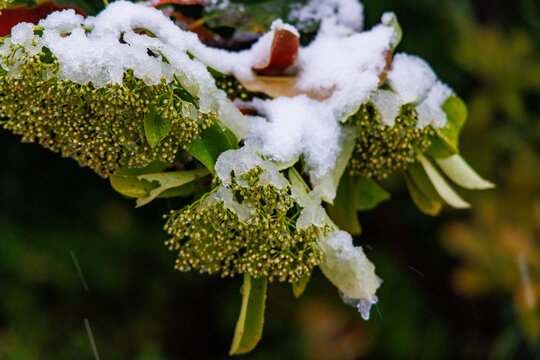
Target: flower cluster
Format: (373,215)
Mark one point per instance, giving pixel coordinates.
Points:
(128,87)
(245,229)
(102,128)
(381,149)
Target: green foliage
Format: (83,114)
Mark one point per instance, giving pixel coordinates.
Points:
(343,210)
(156,128)
(249,327)
(443,189)
(210,237)
(214,140)
(103,128)
(369,194)
(254,15)
(422,192)
(381,149)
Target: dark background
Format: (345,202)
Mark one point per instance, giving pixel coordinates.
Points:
(452,289)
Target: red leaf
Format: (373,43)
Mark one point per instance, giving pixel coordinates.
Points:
(282,54)
(12,16)
(179,2)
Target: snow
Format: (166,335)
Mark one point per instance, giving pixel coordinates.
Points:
(411,77)
(100,57)
(349,66)
(295,126)
(348,268)
(388,103)
(335,16)
(244,211)
(242,160)
(429,110)
(336,73)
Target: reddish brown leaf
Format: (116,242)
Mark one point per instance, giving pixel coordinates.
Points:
(247,110)
(12,16)
(282,54)
(389,54)
(178,2)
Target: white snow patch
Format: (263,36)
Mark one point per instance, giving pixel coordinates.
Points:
(430,109)
(411,77)
(335,16)
(242,160)
(296,126)
(388,104)
(244,211)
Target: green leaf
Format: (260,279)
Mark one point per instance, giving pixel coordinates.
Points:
(214,141)
(130,186)
(156,128)
(249,327)
(425,203)
(369,194)
(445,142)
(299,287)
(133,187)
(343,211)
(457,169)
(168,180)
(297,183)
(251,16)
(441,186)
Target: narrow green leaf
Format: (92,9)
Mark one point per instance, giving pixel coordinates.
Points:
(299,287)
(156,128)
(249,327)
(425,203)
(457,169)
(445,142)
(369,194)
(168,180)
(297,183)
(343,210)
(214,141)
(441,186)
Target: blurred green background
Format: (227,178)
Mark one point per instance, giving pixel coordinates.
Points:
(464,285)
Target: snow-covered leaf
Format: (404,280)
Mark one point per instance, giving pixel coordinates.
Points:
(445,142)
